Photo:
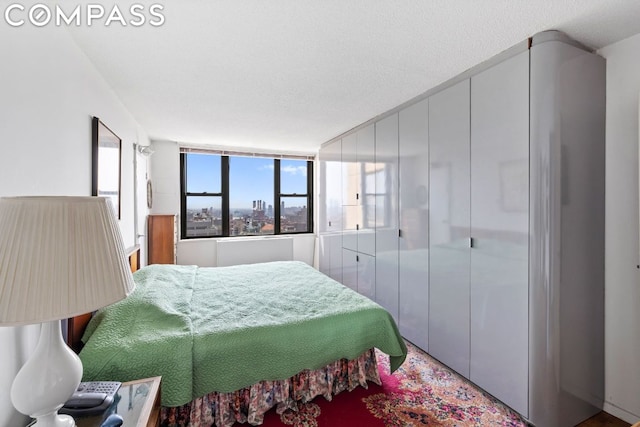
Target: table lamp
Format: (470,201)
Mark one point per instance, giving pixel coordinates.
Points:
(59,257)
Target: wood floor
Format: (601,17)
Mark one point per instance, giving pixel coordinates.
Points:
(604,420)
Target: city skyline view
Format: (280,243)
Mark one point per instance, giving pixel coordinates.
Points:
(250,178)
(251,195)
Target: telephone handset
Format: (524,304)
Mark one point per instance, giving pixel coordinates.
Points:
(91,398)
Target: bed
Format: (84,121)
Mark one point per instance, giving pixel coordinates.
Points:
(232,342)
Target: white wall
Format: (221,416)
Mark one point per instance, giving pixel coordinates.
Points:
(49,92)
(622,284)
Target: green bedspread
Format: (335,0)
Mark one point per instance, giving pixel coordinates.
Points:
(222,329)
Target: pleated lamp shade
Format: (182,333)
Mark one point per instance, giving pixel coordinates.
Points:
(59,257)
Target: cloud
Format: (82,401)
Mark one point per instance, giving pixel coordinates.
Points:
(290,169)
(294,170)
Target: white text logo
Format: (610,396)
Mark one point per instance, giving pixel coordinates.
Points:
(41,15)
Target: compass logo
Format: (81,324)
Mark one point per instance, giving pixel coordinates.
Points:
(40,15)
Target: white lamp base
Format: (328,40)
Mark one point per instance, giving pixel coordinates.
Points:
(54,420)
(48,379)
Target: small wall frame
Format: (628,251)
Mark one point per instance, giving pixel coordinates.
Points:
(107,161)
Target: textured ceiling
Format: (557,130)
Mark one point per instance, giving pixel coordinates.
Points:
(288,75)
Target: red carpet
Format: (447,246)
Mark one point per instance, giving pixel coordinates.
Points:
(422,392)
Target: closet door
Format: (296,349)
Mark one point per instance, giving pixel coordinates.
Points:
(449,221)
(323,255)
(333,237)
(413,256)
(366,197)
(366,266)
(330,210)
(386,208)
(359,272)
(334,243)
(350,191)
(351,183)
(332,182)
(350,269)
(500,230)
(351,217)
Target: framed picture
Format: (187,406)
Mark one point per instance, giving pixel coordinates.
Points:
(107,150)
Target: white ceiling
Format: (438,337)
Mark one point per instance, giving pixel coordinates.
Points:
(288,75)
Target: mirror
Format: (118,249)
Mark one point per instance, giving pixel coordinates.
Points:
(106,164)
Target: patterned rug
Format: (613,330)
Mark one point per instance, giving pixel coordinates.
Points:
(421,393)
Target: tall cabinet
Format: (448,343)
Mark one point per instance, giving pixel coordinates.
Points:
(566,229)
(413,217)
(386,202)
(497,269)
(330,210)
(358,211)
(500,230)
(161,239)
(449,226)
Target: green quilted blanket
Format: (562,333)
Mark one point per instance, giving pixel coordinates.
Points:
(222,329)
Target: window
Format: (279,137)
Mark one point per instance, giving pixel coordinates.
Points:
(202,196)
(234,195)
(294,195)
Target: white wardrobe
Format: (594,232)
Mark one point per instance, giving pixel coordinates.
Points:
(358,211)
(485,201)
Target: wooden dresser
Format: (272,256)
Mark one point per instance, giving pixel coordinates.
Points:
(162,237)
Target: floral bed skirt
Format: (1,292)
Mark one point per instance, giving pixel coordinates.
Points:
(250,404)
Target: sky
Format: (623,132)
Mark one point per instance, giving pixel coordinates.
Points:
(250,178)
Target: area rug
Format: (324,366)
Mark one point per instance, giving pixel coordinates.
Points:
(421,393)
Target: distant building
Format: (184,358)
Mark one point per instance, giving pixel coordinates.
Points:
(202,227)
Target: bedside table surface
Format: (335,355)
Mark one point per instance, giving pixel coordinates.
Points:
(137,402)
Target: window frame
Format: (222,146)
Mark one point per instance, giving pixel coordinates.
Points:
(224,195)
(278,195)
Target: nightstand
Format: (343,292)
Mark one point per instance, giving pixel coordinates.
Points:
(138,402)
